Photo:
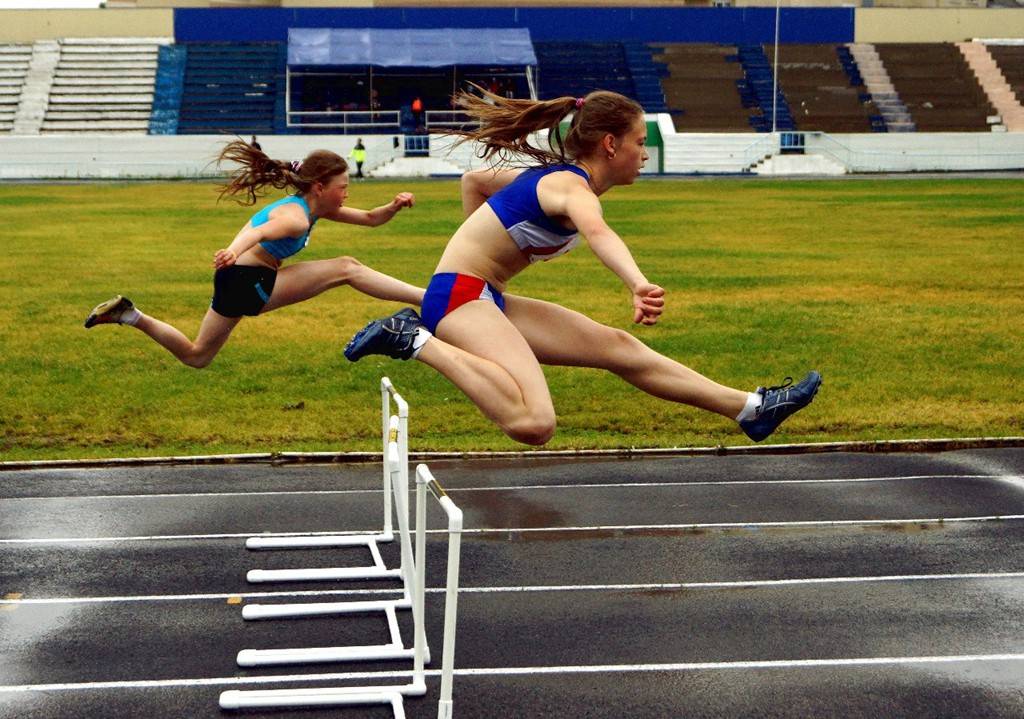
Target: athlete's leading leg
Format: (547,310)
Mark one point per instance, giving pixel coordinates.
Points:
(303,280)
(483,354)
(559,336)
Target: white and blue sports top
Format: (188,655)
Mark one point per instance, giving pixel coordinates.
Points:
(519,210)
(286,246)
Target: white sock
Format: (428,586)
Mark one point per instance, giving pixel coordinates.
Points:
(130,317)
(422,335)
(749,410)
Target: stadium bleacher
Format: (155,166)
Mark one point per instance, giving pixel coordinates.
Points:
(998,91)
(580,67)
(168,88)
(14,61)
(938,88)
(232,87)
(140,85)
(700,87)
(757,88)
(102,85)
(894,114)
(1010,59)
(646,74)
(820,92)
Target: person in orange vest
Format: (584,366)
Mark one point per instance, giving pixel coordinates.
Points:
(417,110)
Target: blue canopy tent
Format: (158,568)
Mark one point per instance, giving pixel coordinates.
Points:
(367,78)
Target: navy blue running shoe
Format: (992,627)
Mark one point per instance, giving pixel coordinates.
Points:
(779,402)
(391,336)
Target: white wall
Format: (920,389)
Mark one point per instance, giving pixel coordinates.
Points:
(191,156)
(157,156)
(922,152)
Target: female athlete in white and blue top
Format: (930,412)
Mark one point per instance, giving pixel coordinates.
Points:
(492,345)
(249,279)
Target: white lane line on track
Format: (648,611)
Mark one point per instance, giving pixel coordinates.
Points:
(520,671)
(662,586)
(525,487)
(533,530)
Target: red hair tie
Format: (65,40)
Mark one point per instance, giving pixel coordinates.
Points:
(579,102)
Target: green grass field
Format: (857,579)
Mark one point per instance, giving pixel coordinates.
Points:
(908,296)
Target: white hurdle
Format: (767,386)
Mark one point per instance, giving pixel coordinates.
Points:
(395,455)
(416,587)
(372,572)
(424,479)
(394,649)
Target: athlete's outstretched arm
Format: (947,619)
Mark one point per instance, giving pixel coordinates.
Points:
(584,209)
(285,222)
(375,217)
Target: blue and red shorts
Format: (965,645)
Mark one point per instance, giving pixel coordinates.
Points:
(448,291)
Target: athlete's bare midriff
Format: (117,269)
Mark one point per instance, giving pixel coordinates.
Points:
(482,248)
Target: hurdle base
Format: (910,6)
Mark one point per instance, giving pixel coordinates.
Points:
(320,655)
(327,574)
(327,696)
(311,609)
(311,542)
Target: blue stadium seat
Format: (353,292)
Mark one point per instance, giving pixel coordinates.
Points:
(757,91)
(231,88)
(577,68)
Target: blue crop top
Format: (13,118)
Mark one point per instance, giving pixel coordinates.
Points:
(286,246)
(519,210)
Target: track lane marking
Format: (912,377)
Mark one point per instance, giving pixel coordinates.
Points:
(525,487)
(521,671)
(530,530)
(523,589)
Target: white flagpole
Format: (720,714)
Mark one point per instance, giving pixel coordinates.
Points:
(775,70)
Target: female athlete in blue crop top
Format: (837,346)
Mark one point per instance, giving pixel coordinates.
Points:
(493,349)
(249,279)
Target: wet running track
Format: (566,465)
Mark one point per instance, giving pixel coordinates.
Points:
(825,585)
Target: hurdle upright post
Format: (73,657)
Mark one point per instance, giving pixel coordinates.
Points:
(401,504)
(388,391)
(425,480)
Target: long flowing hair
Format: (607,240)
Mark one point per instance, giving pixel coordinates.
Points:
(507,124)
(255,171)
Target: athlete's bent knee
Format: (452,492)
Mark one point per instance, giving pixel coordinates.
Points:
(198,360)
(347,268)
(533,430)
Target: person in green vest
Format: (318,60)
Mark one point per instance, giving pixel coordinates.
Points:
(358,155)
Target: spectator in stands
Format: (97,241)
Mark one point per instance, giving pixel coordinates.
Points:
(358,155)
(417,111)
(492,346)
(249,280)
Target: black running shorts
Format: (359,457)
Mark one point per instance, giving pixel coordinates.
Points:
(242,290)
